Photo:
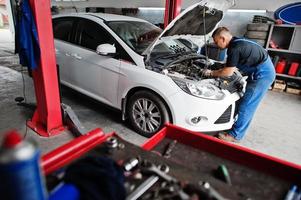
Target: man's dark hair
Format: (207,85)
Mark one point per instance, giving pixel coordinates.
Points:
(219,30)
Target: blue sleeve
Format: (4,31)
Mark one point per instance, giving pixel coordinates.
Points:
(232,57)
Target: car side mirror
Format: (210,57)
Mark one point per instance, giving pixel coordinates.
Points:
(106,49)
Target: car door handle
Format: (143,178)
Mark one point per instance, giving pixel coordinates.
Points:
(76,56)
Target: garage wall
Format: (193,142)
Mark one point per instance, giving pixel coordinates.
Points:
(270,5)
(113,3)
(240,4)
(155,17)
(238,27)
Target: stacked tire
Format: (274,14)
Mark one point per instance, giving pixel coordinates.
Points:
(258,32)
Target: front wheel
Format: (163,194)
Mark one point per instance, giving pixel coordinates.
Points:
(147,113)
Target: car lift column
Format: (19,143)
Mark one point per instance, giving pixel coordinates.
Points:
(172,9)
(47,119)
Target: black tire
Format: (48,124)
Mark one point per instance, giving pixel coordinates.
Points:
(257,35)
(258,27)
(148,125)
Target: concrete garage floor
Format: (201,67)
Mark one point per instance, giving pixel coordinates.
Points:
(275,129)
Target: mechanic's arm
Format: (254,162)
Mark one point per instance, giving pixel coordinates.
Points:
(226,71)
(233,55)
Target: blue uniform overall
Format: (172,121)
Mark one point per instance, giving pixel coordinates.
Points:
(259,80)
(27,43)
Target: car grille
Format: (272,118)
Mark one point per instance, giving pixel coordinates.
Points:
(225,117)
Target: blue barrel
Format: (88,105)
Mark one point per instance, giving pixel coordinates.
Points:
(214,52)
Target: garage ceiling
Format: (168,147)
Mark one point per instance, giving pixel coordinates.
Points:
(271,5)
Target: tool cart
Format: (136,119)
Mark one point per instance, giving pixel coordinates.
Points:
(180,164)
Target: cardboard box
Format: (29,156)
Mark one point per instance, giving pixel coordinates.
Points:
(293,88)
(279,85)
(293,91)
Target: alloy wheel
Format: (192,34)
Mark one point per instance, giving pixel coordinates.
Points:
(146,115)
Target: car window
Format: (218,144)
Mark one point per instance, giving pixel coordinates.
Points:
(62,28)
(136,34)
(90,34)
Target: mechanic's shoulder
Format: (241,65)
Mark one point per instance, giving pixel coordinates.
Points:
(234,46)
(233,42)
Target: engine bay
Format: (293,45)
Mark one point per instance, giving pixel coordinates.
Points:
(191,67)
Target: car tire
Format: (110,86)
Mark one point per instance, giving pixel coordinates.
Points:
(147,122)
(257,35)
(258,27)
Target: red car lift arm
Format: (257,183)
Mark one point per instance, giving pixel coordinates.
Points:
(172,9)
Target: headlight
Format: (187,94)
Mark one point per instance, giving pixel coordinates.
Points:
(203,89)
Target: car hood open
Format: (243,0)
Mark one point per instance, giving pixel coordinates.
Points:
(191,21)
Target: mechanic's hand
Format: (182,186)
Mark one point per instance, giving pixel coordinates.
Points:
(207,73)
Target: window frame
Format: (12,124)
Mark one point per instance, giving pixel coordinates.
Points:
(118,46)
(71,38)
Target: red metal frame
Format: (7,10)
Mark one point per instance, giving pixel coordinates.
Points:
(72,150)
(233,152)
(47,119)
(172,9)
(241,155)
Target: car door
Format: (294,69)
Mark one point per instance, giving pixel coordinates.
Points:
(93,74)
(64,38)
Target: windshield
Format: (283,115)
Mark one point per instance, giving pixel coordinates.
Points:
(137,35)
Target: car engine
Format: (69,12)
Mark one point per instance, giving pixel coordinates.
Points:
(192,66)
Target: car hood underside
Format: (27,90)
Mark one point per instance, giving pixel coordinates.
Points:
(198,19)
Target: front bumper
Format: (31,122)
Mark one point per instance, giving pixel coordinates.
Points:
(203,115)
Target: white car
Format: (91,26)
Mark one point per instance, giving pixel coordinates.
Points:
(152,76)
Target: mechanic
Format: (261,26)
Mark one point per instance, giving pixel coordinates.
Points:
(251,60)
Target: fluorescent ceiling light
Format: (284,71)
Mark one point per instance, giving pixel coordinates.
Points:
(151,8)
(246,11)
